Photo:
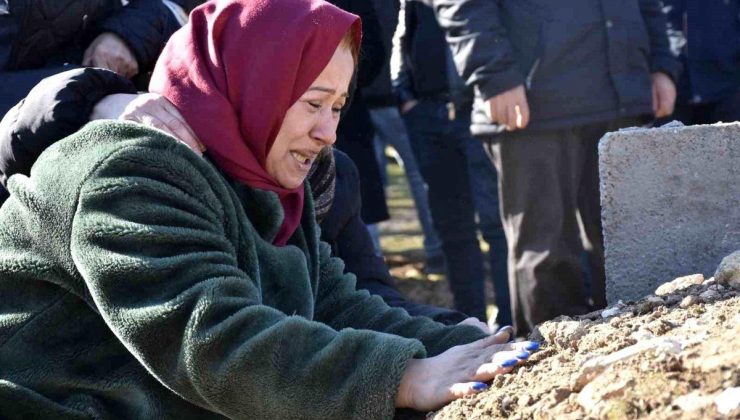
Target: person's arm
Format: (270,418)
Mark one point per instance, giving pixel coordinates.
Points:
(482,51)
(55,108)
(484,57)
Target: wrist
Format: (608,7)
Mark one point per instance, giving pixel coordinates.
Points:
(405,395)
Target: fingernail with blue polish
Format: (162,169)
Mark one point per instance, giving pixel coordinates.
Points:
(509,363)
(479,386)
(532,346)
(523,355)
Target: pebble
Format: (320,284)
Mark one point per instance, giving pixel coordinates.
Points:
(649,304)
(593,395)
(710,295)
(525,400)
(606,313)
(671,300)
(689,300)
(728,400)
(728,272)
(679,284)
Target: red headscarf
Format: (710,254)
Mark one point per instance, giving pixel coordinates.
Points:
(235,69)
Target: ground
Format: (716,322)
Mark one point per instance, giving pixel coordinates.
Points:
(674,356)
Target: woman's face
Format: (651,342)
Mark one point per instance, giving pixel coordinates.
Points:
(311,123)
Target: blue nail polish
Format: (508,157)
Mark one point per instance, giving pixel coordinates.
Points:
(479,386)
(523,355)
(509,363)
(532,346)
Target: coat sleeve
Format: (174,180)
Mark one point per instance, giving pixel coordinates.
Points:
(656,23)
(55,108)
(152,241)
(480,45)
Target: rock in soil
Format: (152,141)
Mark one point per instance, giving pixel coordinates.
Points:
(649,359)
(728,272)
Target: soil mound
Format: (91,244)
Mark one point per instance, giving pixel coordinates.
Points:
(672,355)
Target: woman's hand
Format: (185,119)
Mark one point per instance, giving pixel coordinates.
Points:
(156,111)
(428,384)
(110,52)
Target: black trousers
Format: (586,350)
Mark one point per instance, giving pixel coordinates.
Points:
(549,195)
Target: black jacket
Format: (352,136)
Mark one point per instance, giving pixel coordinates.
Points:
(61,104)
(581,60)
(707,36)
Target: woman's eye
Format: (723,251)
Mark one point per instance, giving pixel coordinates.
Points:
(315,105)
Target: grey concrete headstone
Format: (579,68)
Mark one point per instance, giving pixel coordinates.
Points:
(670,200)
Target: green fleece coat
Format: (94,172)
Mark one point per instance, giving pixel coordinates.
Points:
(137,282)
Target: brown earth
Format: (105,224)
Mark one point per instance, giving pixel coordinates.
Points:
(667,357)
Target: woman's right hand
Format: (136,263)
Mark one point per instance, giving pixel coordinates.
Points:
(428,384)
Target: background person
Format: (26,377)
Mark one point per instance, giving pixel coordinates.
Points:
(550,79)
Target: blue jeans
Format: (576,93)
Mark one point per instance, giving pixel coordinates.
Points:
(389,130)
(440,149)
(484,185)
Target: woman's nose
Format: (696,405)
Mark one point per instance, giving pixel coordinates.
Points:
(325,129)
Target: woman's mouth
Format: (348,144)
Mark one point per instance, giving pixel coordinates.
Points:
(303,159)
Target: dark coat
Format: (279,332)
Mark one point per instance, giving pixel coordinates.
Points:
(62,104)
(139,282)
(707,36)
(581,60)
(356,132)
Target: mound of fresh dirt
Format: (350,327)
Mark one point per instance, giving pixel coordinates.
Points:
(675,354)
